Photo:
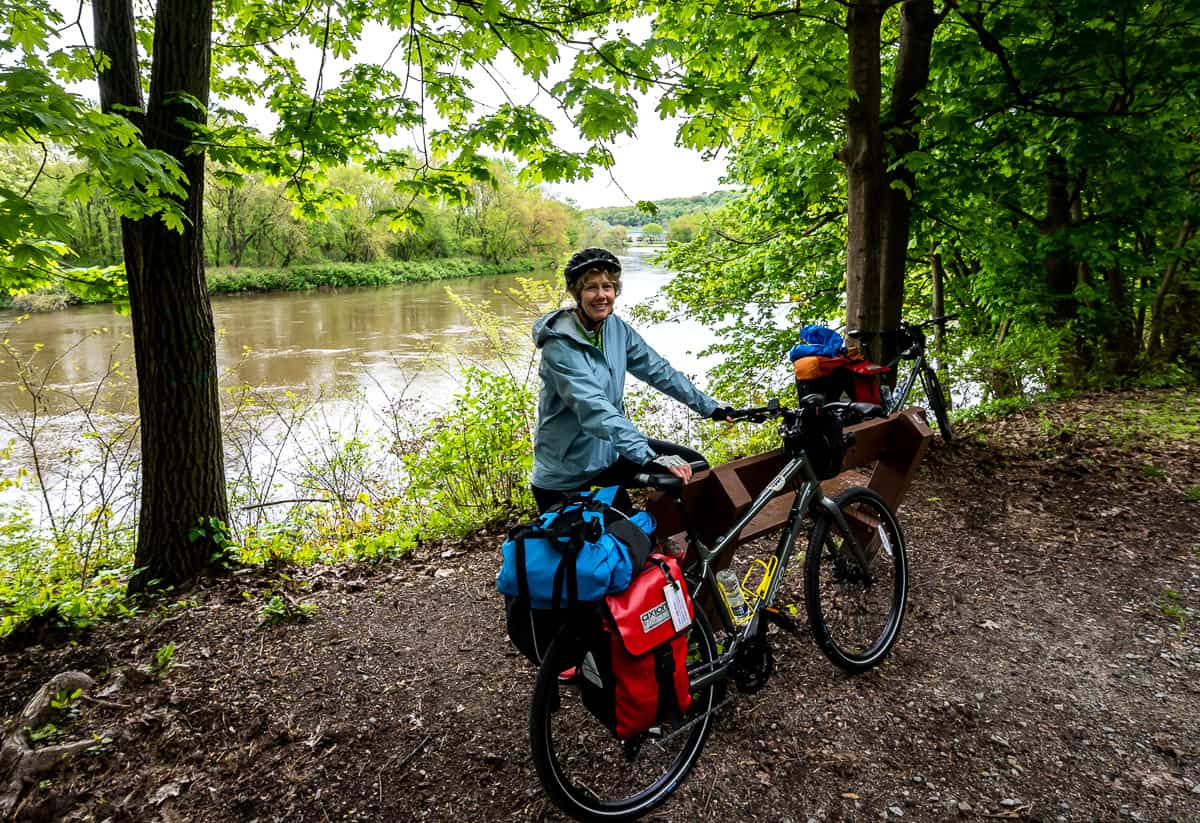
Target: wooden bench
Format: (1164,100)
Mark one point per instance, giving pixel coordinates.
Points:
(885,458)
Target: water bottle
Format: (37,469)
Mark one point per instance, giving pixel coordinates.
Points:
(732,590)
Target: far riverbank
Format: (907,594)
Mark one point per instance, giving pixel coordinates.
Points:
(309,276)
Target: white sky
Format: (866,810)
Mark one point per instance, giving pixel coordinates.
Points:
(647,167)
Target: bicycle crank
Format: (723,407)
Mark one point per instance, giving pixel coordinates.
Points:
(753,665)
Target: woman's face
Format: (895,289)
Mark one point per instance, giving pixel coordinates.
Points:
(597,296)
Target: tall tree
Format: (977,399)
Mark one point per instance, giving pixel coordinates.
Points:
(335,99)
(796,87)
(183,469)
(1047,159)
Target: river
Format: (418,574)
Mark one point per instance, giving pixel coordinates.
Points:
(409,337)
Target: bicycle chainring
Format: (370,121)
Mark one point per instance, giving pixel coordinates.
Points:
(753,665)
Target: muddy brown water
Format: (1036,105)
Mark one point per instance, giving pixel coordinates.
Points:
(412,335)
(408,341)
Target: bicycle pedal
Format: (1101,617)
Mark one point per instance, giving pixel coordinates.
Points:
(778,618)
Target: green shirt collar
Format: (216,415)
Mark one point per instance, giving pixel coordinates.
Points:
(596,338)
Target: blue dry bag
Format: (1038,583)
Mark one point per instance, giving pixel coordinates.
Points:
(577,551)
(817,341)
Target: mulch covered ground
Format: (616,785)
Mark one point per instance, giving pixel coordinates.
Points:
(1049,669)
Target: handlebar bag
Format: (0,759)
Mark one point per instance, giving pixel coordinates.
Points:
(574,553)
(635,675)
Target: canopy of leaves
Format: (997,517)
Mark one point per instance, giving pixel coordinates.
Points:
(386,86)
(1050,143)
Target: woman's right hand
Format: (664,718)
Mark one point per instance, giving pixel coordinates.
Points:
(674,464)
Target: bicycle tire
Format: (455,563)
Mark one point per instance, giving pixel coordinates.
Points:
(937,403)
(855,616)
(584,769)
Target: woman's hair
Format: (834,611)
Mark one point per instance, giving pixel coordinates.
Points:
(575,288)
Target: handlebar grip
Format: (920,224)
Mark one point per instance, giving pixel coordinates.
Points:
(665,480)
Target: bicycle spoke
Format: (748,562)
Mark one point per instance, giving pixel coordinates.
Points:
(855,597)
(585,769)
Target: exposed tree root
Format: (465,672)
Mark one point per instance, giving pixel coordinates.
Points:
(21,763)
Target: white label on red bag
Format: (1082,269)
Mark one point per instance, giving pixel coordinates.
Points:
(680,618)
(655,617)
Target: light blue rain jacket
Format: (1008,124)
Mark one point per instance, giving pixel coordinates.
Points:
(582,426)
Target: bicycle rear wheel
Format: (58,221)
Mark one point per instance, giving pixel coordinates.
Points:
(937,402)
(585,769)
(855,612)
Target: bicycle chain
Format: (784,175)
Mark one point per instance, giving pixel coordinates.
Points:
(676,732)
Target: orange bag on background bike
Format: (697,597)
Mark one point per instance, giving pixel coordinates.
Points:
(820,375)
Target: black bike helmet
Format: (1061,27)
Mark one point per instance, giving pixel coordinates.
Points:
(587,260)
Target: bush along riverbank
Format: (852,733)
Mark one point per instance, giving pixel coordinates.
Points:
(349,275)
(243,280)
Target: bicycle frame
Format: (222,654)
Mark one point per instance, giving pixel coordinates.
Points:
(900,394)
(808,496)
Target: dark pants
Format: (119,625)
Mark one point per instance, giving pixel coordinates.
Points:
(618,474)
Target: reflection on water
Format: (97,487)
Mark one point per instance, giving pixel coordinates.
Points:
(411,337)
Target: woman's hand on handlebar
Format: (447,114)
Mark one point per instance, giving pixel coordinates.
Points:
(674,464)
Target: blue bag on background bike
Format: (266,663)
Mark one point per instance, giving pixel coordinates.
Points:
(565,561)
(817,341)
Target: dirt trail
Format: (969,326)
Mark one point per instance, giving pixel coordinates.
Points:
(1043,673)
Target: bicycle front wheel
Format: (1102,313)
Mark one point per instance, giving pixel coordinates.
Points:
(855,610)
(937,403)
(585,769)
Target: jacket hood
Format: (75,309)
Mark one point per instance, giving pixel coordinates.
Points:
(558,323)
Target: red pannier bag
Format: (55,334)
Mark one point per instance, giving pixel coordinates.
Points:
(645,673)
(864,381)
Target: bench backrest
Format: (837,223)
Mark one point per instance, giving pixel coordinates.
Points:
(885,458)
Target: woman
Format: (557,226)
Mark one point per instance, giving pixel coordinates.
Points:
(583,438)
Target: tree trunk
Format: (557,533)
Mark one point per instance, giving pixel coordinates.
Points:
(917,24)
(938,307)
(183,473)
(1059,268)
(863,158)
(1121,343)
(1154,344)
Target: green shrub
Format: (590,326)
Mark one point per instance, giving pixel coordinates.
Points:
(48,582)
(475,467)
(350,275)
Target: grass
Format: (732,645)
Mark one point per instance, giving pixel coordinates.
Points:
(308,276)
(1171,606)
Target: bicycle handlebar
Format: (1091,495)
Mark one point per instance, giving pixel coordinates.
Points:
(939,321)
(664,480)
(933,321)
